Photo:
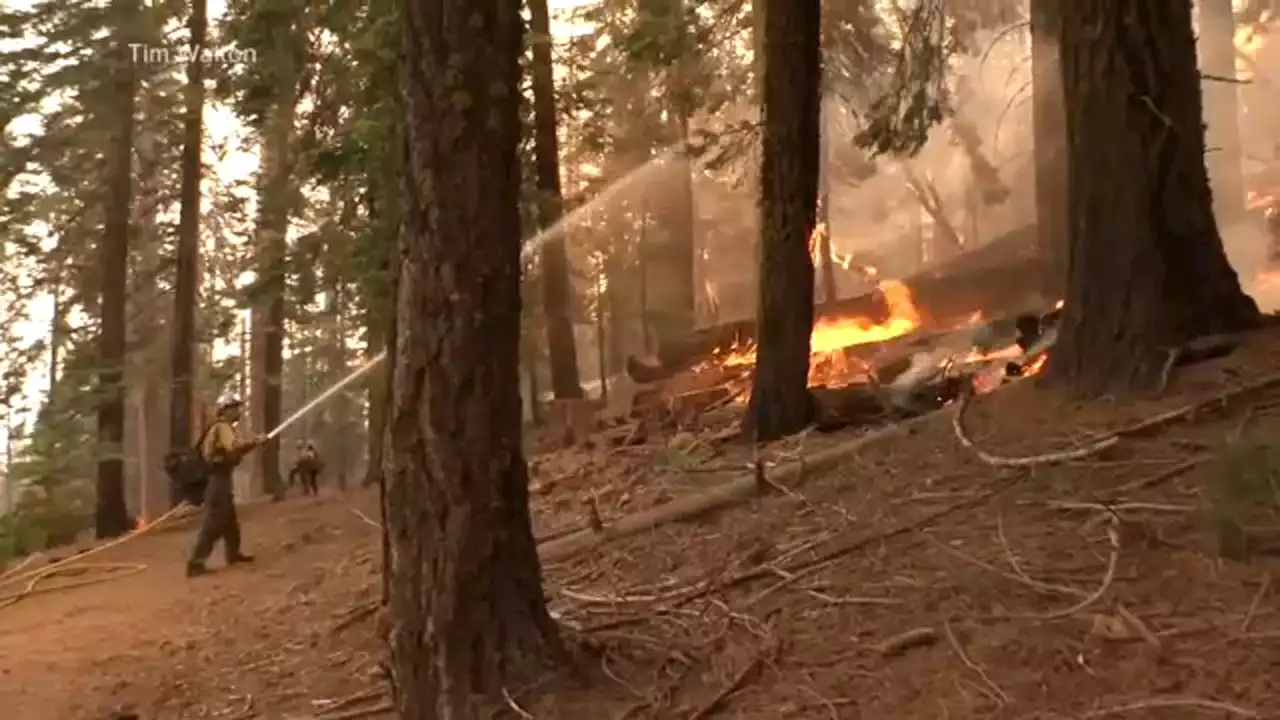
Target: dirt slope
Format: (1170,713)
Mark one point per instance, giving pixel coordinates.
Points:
(914,581)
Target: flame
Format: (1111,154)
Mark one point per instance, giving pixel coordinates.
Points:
(830,335)
(833,335)
(846,261)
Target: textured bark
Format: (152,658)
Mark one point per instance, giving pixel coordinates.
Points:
(1222,109)
(1147,269)
(826,253)
(112,515)
(469,616)
(557,291)
(186,290)
(780,403)
(276,188)
(1049,119)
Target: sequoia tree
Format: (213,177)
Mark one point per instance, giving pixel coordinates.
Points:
(1147,270)
(780,402)
(112,516)
(187,275)
(468,613)
(557,288)
(1049,131)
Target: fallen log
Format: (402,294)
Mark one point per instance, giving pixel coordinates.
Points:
(999,277)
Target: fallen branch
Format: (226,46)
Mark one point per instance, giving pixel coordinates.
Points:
(957,425)
(731,492)
(1145,428)
(909,640)
(383,708)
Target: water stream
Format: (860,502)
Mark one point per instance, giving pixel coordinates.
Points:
(316,402)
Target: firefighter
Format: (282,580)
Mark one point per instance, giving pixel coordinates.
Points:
(306,468)
(221,449)
(1272,214)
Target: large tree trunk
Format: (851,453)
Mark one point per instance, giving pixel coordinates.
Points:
(671,252)
(557,291)
(112,514)
(383,203)
(276,190)
(826,253)
(469,615)
(1050,136)
(780,403)
(1147,269)
(186,285)
(1222,109)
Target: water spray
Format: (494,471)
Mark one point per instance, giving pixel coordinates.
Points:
(305,409)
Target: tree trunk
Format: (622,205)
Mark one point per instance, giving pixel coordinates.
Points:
(780,402)
(469,615)
(1147,269)
(112,515)
(826,258)
(382,458)
(557,291)
(377,384)
(342,429)
(671,252)
(1222,109)
(1050,141)
(186,285)
(276,196)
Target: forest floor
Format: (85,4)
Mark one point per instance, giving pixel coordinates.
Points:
(916,579)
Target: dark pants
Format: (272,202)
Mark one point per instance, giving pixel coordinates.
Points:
(308,477)
(219,521)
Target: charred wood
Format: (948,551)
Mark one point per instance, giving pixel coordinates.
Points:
(1001,276)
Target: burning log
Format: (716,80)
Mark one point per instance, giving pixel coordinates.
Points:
(864,404)
(1000,275)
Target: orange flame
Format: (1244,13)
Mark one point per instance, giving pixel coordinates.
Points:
(831,335)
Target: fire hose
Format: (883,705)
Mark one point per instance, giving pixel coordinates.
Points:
(75,565)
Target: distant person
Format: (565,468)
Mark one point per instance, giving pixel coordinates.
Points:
(306,469)
(1272,215)
(221,450)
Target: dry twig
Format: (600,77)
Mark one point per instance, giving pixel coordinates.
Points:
(1113,535)
(1174,702)
(909,640)
(998,692)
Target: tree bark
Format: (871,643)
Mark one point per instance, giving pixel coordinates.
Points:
(780,403)
(1050,141)
(826,253)
(276,188)
(1222,109)
(186,285)
(469,615)
(1147,268)
(557,291)
(111,518)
